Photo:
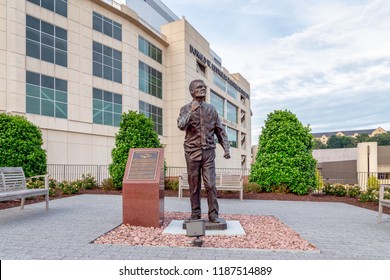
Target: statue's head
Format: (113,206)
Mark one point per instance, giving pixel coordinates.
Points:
(198,89)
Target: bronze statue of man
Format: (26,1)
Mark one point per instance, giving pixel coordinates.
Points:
(201,122)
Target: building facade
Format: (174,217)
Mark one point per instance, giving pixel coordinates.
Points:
(73,67)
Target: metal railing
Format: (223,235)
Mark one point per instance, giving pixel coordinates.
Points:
(71,172)
(349,177)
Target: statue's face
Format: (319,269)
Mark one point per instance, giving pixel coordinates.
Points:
(199,90)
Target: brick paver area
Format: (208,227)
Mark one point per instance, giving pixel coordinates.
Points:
(339,231)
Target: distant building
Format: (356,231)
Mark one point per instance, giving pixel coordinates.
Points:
(324,136)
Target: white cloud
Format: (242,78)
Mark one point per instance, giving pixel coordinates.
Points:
(327,61)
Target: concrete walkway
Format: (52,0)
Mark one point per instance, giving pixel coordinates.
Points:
(339,231)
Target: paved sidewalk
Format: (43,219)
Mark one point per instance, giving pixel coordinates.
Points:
(339,231)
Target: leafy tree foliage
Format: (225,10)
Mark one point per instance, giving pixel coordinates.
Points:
(135,131)
(382,139)
(336,142)
(317,144)
(284,159)
(21,145)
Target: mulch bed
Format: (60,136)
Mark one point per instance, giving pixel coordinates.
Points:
(226,195)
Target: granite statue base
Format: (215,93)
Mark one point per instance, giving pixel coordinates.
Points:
(222,225)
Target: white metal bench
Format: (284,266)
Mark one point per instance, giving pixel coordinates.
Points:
(13,185)
(224,182)
(382,201)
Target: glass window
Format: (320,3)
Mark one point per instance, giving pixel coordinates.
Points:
(232,136)
(149,49)
(219,82)
(218,103)
(46,41)
(149,80)
(58,6)
(231,112)
(46,95)
(232,91)
(107,107)
(107,62)
(107,26)
(153,112)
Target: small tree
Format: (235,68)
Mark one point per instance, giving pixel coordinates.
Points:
(21,145)
(284,158)
(135,131)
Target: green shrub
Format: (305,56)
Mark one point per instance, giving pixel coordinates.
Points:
(284,158)
(135,131)
(88,182)
(172,185)
(35,184)
(367,197)
(107,185)
(252,187)
(21,145)
(319,181)
(283,188)
(339,190)
(69,187)
(328,189)
(373,183)
(353,191)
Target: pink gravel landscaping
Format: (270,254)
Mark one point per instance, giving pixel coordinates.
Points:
(262,232)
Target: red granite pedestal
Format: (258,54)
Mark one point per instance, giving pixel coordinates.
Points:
(143,188)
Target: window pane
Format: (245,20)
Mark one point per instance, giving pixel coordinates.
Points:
(97,69)
(61,8)
(47,53)
(107,28)
(47,81)
(33,78)
(107,119)
(61,110)
(33,22)
(33,91)
(47,94)
(48,4)
(118,76)
(117,119)
(117,33)
(33,49)
(47,108)
(61,96)
(97,23)
(61,85)
(32,34)
(97,93)
(107,73)
(98,116)
(33,105)
(97,104)
(47,28)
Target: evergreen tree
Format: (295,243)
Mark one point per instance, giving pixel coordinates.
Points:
(21,145)
(135,131)
(284,159)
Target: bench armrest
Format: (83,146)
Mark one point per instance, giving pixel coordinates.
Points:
(46,176)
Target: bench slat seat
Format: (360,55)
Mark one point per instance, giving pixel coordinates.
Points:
(224,182)
(382,201)
(13,186)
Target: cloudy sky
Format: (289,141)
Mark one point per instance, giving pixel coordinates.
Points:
(327,61)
